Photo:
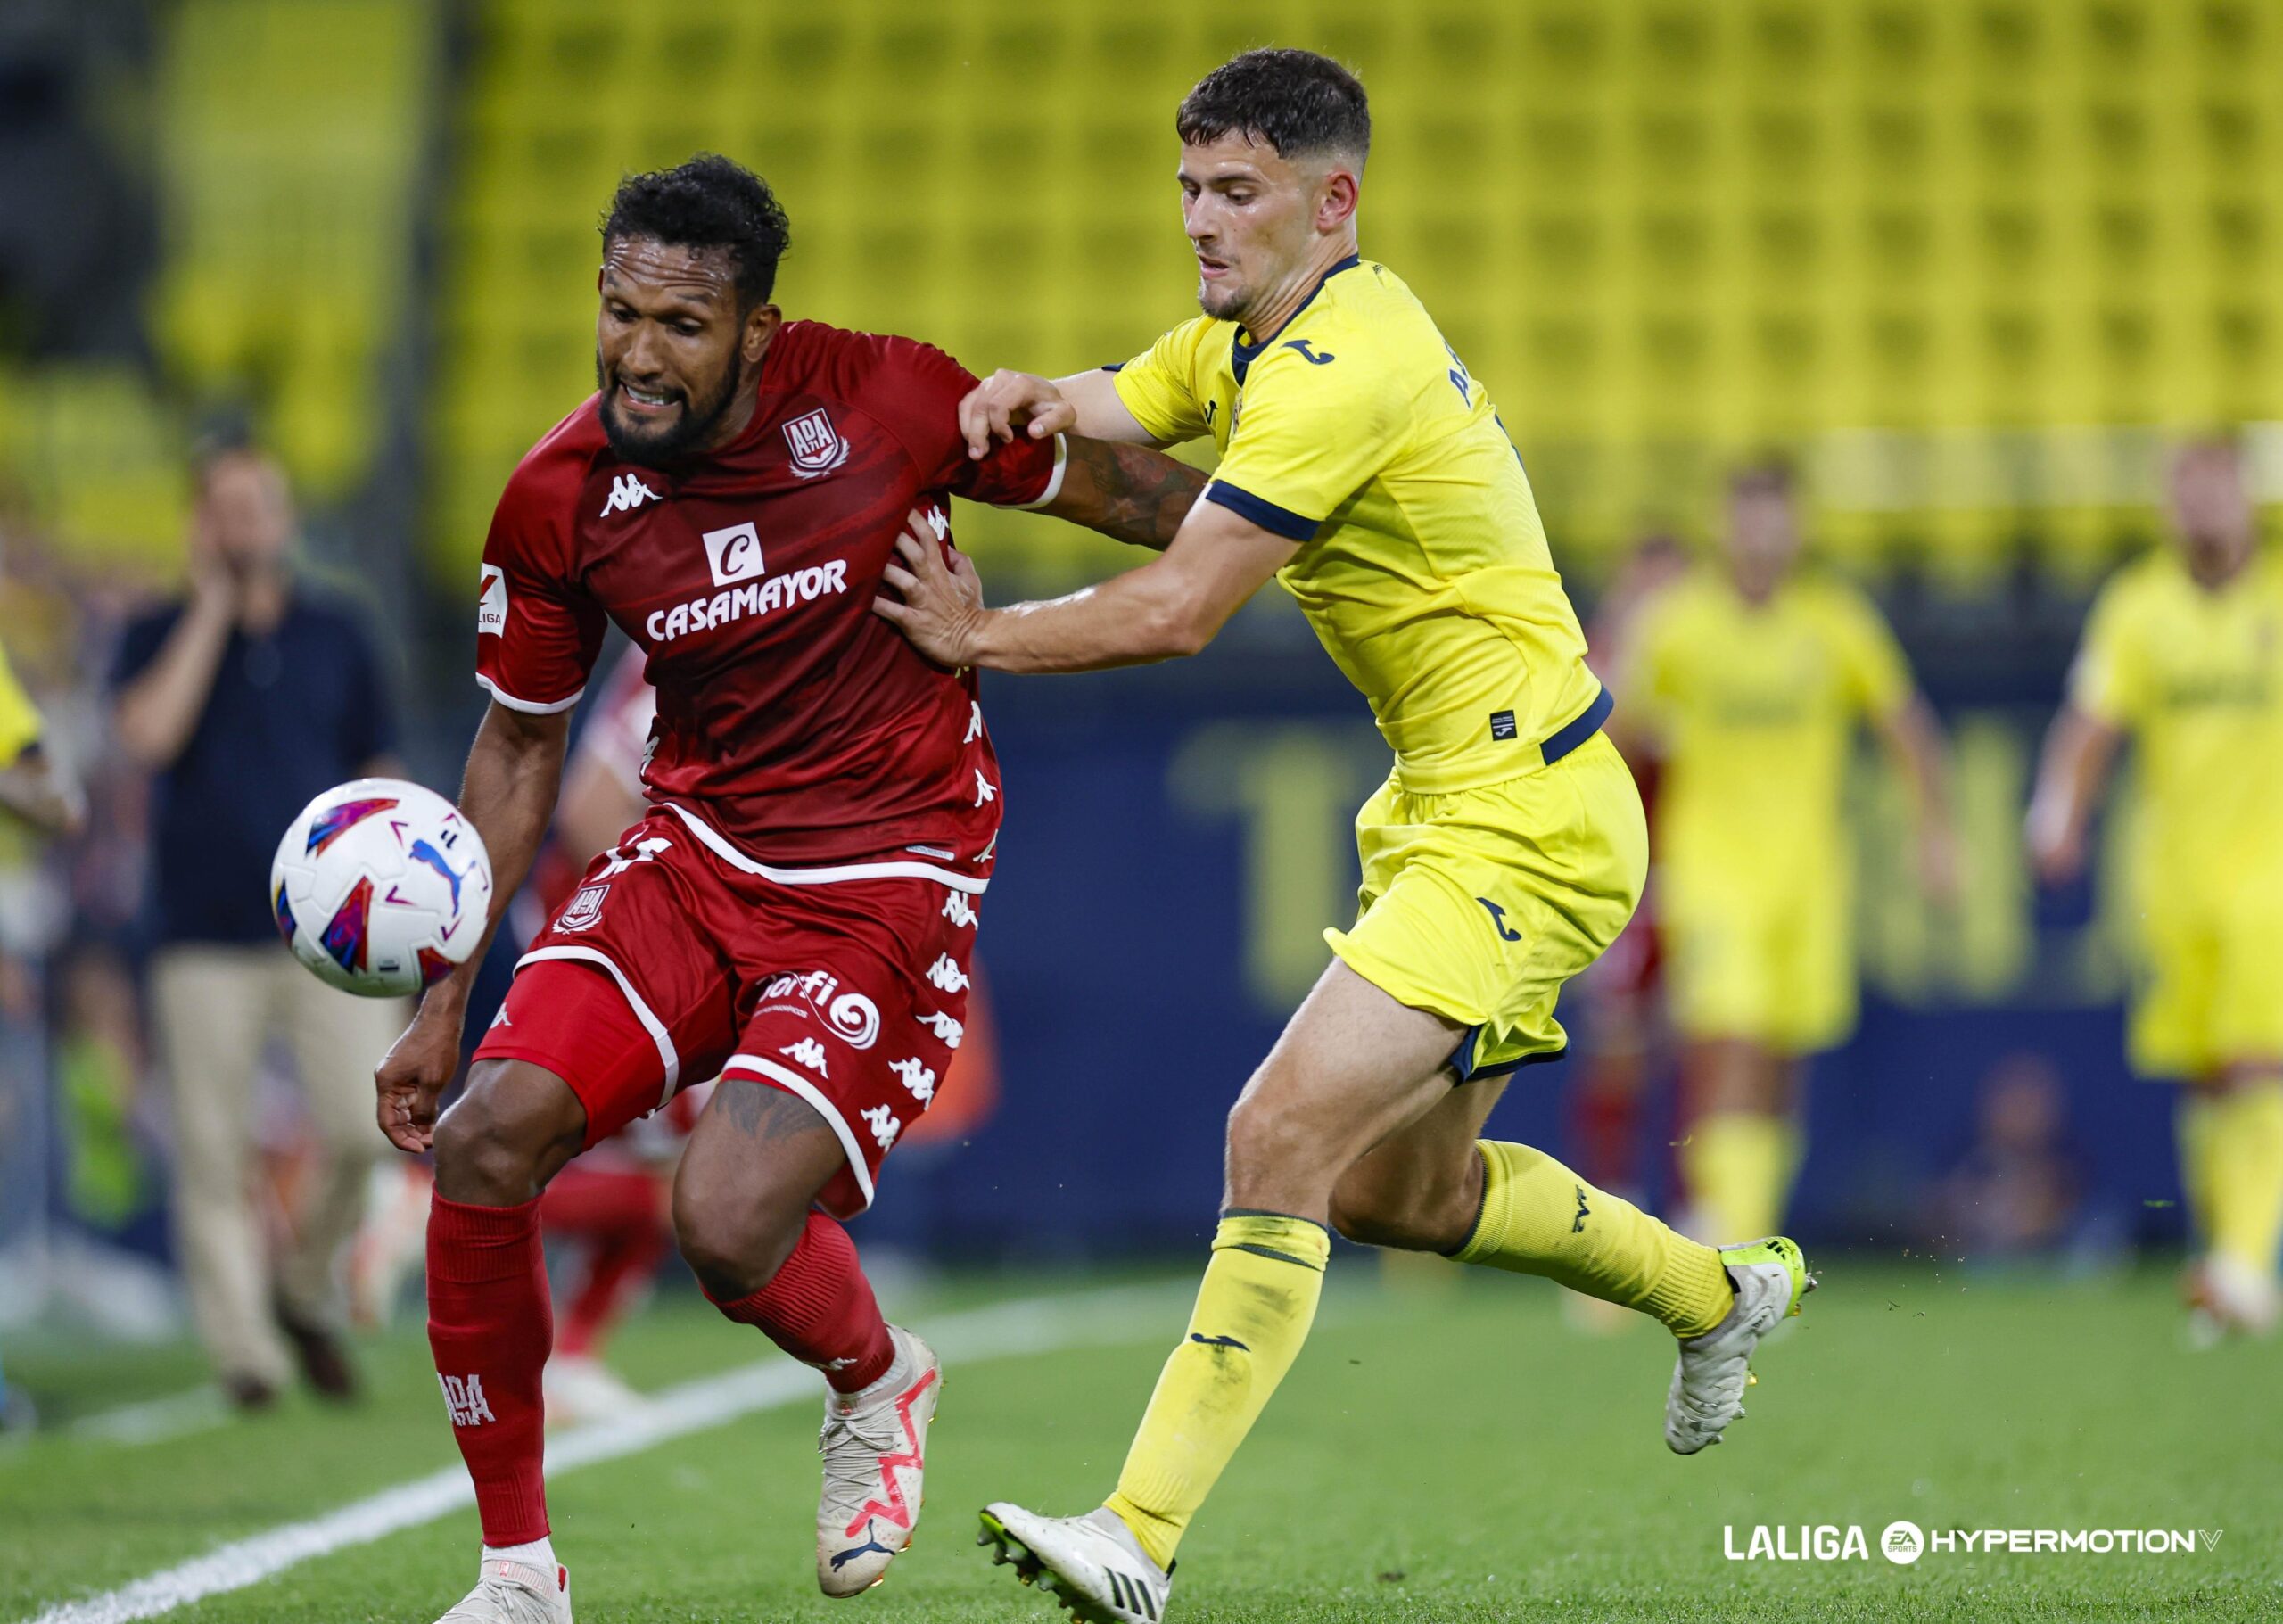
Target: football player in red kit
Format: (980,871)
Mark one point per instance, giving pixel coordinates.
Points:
(796,910)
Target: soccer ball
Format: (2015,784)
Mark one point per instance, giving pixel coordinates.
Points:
(381,887)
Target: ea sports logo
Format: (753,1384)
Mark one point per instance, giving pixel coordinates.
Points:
(1903,1544)
(734,554)
(855,1017)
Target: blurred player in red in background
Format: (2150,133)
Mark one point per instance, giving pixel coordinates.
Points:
(796,912)
(1622,991)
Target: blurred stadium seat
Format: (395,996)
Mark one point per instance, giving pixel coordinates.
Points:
(1661,232)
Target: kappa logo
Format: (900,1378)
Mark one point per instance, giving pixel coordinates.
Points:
(807,1052)
(884,1122)
(958,910)
(491,602)
(816,445)
(920,1079)
(625,857)
(851,1015)
(464,1399)
(948,1032)
(582,910)
(974,722)
(940,523)
(946,974)
(734,554)
(984,791)
(627,492)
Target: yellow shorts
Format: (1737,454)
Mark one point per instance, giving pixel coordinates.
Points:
(1770,963)
(1479,904)
(2209,984)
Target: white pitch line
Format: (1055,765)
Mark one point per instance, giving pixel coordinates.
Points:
(156,1421)
(1038,1324)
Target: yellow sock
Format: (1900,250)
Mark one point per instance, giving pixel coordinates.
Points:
(1739,1166)
(2231,1157)
(1252,1313)
(1540,1218)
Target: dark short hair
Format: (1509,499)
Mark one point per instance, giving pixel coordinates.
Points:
(1299,103)
(706,204)
(1769,474)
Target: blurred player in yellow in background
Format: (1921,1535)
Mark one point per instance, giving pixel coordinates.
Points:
(1751,675)
(2184,654)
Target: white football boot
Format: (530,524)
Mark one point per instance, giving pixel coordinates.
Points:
(1092,1564)
(1710,1377)
(579,1389)
(509,1593)
(2227,1297)
(875,1449)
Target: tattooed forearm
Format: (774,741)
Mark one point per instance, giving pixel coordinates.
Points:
(1127,491)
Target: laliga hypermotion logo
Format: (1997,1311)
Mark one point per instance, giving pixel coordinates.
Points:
(851,1015)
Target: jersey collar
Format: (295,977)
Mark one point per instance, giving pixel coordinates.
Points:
(1242,355)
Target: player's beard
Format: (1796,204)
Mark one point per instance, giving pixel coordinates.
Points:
(691,430)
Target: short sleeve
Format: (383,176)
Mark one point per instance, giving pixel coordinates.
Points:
(537,632)
(1872,665)
(1308,437)
(1159,385)
(2108,678)
(916,392)
(20,722)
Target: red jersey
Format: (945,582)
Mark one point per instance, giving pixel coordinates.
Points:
(791,719)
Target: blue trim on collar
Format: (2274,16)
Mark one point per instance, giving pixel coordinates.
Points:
(1277,521)
(1242,355)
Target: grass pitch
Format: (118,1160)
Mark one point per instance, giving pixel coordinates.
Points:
(1447,1448)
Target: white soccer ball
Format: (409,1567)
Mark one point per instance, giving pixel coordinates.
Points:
(381,887)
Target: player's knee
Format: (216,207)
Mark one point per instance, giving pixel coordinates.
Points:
(1264,1136)
(492,1149)
(1411,1215)
(733,1248)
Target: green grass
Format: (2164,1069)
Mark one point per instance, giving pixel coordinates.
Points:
(1446,1449)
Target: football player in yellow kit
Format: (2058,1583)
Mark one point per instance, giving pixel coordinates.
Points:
(1754,675)
(2183,655)
(1364,467)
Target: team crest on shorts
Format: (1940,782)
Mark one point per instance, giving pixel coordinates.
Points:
(584,909)
(816,445)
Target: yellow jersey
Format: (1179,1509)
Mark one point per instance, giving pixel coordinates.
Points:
(1357,432)
(1758,704)
(2196,677)
(20,724)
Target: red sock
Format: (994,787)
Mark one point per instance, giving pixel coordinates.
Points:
(819,1309)
(615,1213)
(489,1324)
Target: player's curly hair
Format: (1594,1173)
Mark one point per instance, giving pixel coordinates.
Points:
(1299,103)
(707,203)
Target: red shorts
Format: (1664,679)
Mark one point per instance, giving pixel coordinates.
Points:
(846,986)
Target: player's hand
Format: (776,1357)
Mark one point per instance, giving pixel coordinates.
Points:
(1005,402)
(2057,844)
(1938,865)
(411,1078)
(943,600)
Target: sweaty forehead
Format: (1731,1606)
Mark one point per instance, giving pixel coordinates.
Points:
(1233,152)
(671,269)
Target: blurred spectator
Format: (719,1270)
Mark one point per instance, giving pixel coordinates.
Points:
(245,698)
(2018,1191)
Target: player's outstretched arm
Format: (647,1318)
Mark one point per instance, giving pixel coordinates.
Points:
(1913,738)
(1009,403)
(1127,492)
(1170,606)
(514,773)
(2073,770)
